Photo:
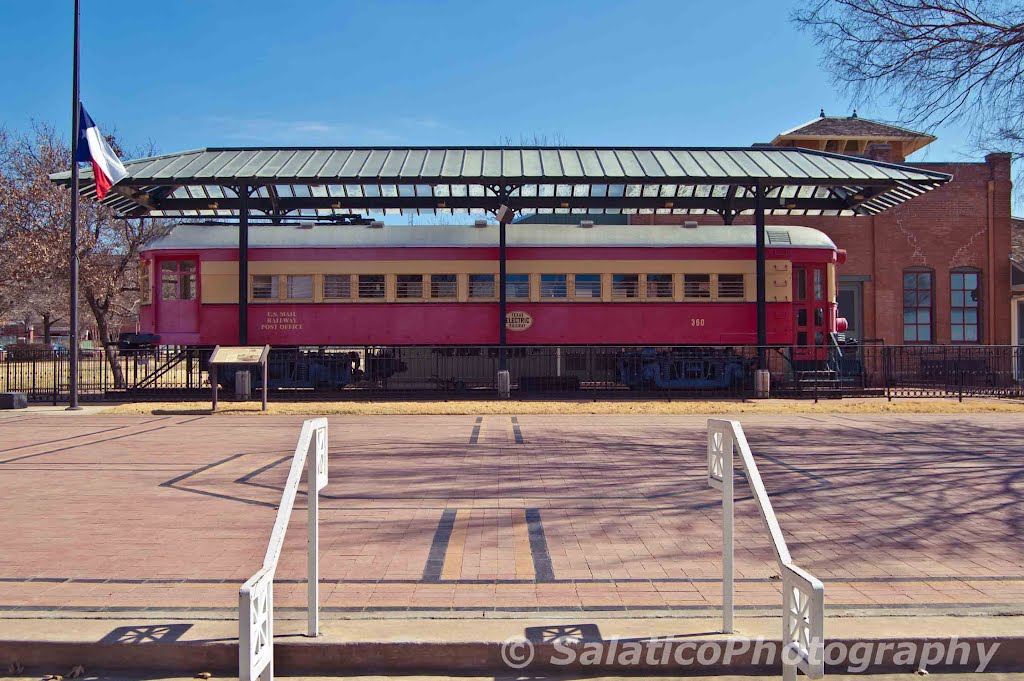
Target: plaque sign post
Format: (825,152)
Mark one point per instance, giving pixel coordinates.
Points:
(239,354)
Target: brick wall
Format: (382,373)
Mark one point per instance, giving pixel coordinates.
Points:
(965,223)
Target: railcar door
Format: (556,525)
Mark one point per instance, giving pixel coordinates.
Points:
(810,307)
(178,307)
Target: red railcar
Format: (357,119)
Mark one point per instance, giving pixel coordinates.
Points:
(354,285)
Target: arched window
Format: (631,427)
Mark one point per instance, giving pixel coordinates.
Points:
(918,297)
(965,305)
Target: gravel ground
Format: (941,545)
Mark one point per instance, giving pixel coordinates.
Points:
(517,407)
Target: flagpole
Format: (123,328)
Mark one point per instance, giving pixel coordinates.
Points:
(73,331)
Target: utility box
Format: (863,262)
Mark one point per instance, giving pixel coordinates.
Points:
(13,401)
(762,383)
(243,384)
(504,384)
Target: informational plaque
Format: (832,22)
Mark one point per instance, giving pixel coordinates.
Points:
(240,354)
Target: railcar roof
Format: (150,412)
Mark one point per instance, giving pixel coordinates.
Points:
(465,236)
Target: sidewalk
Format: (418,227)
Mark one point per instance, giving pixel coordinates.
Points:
(402,646)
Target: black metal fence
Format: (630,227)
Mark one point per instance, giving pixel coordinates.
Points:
(569,372)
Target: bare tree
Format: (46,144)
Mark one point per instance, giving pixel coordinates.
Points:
(34,218)
(556,139)
(935,60)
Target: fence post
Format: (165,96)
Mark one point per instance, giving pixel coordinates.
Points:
(886,358)
(962,371)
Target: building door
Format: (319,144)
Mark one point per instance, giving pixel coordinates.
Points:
(849,299)
(178,307)
(810,308)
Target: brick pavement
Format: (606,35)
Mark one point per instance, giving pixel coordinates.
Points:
(485,514)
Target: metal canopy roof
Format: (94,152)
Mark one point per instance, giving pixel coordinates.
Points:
(320,182)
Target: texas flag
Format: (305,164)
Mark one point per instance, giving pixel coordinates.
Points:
(93,148)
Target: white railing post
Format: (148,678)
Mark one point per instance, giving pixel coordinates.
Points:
(316,480)
(256,596)
(803,624)
(256,628)
(803,595)
(720,476)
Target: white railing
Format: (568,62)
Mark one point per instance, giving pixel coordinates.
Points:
(803,595)
(256,597)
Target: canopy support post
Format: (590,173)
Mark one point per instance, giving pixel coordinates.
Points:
(762,297)
(243,264)
(502,295)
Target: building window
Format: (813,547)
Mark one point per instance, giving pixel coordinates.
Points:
(625,286)
(178,280)
(730,286)
(337,286)
(917,306)
(264,287)
(965,306)
(300,287)
(696,285)
(554,286)
(371,286)
(481,286)
(444,286)
(587,285)
(409,286)
(659,285)
(517,286)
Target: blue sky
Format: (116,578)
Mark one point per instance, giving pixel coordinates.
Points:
(191,73)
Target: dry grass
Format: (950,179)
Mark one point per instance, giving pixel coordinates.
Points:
(515,407)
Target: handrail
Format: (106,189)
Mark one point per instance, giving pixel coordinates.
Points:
(256,596)
(803,595)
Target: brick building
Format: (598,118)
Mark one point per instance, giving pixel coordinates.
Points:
(1017,279)
(934,270)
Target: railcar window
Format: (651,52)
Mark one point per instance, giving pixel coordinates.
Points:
(625,286)
(371,286)
(145,286)
(730,286)
(697,285)
(186,285)
(554,286)
(481,286)
(169,280)
(588,285)
(178,280)
(659,285)
(300,287)
(517,286)
(819,285)
(264,287)
(337,286)
(444,286)
(409,286)
(801,284)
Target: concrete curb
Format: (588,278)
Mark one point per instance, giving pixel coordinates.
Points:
(295,656)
